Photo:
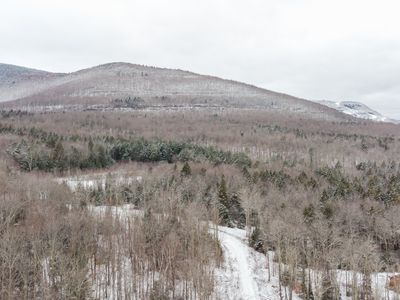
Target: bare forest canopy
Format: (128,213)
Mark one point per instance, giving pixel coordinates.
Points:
(322,195)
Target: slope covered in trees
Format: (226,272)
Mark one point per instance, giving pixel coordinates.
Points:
(128,87)
(317,199)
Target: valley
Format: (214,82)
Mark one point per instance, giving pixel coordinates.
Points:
(124,181)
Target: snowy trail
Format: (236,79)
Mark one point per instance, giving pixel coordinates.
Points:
(237,255)
(244,275)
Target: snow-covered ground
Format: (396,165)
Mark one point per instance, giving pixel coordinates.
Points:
(358,110)
(244,275)
(245,272)
(379,282)
(97,180)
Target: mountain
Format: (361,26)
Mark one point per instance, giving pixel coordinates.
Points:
(129,85)
(17,82)
(358,110)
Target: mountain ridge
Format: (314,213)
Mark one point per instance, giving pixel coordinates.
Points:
(157,87)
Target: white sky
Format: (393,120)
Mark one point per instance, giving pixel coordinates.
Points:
(322,49)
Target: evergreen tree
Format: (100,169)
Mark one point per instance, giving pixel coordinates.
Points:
(224,215)
(236,211)
(223,206)
(247,175)
(58,152)
(90,145)
(58,156)
(103,158)
(255,240)
(309,214)
(186,170)
(222,192)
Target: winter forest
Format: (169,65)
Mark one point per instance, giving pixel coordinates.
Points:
(197,204)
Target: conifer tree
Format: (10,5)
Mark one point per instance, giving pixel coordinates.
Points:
(223,206)
(222,192)
(186,170)
(58,152)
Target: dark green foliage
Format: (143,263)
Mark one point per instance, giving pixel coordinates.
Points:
(186,170)
(224,215)
(58,156)
(90,145)
(58,152)
(41,158)
(255,240)
(14,113)
(254,218)
(223,203)
(340,185)
(152,151)
(307,182)
(103,154)
(309,213)
(324,196)
(278,178)
(129,102)
(22,153)
(247,175)
(364,145)
(362,166)
(230,208)
(236,211)
(222,192)
(327,210)
(146,151)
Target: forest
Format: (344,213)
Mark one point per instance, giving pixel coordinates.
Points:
(316,199)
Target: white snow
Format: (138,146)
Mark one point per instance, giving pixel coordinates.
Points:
(97,180)
(358,110)
(237,257)
(244,275)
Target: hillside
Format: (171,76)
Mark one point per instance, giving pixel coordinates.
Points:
(18,82)
(114,205)
(128,85)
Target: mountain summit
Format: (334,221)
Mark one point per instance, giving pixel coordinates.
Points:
(130,85)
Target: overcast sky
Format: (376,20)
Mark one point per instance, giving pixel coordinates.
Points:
(322,49)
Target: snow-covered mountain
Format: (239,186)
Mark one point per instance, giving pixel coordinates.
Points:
(159,87)
(358,110)
(155,87)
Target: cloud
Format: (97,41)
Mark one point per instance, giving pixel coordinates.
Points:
(338,50)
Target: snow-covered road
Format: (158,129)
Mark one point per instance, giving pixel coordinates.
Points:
(237,265)
(244,275)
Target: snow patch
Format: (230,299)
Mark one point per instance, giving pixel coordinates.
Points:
(358,110)
(244,275)
(98,180)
